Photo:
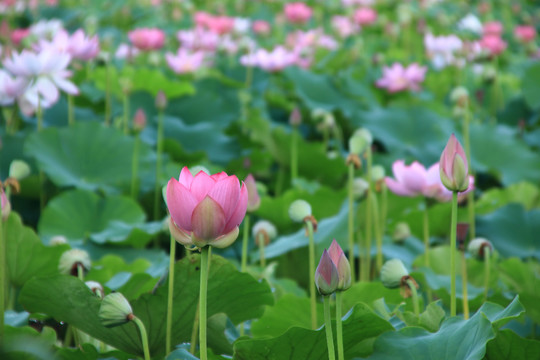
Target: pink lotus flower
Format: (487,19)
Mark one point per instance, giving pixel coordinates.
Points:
(18,35)
(206,210)
(492,28)
(326,275)
(254,200)
(147,39)
(261,27)
(78,45)
(124,51)
(441,49)
(398,78)
(525,33)
(344,26)
(454,168)
(198,39)
(342,265)
(11,87)
(221,24)
(493,44)
(297,12)
(185,61)
(365,16)
(274,60)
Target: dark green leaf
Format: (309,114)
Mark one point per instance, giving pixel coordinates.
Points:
(508,345)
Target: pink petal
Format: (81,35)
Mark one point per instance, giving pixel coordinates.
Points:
(201,185)
(181,204)
(226,192)
(414,177)
(335,252)
(220,176)
(398,168)
(398,188)
(208,220)
(239,211)
(186,178)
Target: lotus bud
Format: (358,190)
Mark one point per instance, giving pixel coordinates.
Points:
(401,232)
(299,210)
(71,259)
(392,272)
(19,169)
(115,310)
(342,265)
(377,173)
(126,84)
(360,187)
(254,200)
(477,247)
(266,229)
(161,100)
(326,275)
(198,168)
(139,120)
(95,288)
(58,240)
(5,204)
(295,119)
(461,235)
(454,169)
(460,96)
(360,140)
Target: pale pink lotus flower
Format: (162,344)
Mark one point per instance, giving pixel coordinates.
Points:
(297,12)
(494,44)
(46,29)
(198,39)
(357,2)
(217,24)
(254,199)
(275,60)
(147,39)
(241,25)
(492,28)
(11,88)
(261,27)
(185,61)
(442,49)
(125,51)
(311,39)
(77,45)
(365,16)
(525,33)
(398,78)
(206,209)
(344,26)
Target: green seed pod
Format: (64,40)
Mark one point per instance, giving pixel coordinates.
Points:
(392,272)
(115,310)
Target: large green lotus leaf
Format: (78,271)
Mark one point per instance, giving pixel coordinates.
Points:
(229,291)
(81,214)
(430,319)
(288,311)
(89,352)
(90,156)
(151,80)
(360,325)
(512,230)
(509,345)
(530,85)
(456,339)
(26,256)
(497,149)
(25,343)
(524,193)
(369,292)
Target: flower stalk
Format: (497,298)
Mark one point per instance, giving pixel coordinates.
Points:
(159,153)
(135,167)
(170,296)
(3,278)
(71,116)
(328,327)
(245,240)
(312,294)
(350,188)
(366,262)
(339,326)
(144,336)
(414,294)
(453,228)
(202,303)
(261,242)
(487,270)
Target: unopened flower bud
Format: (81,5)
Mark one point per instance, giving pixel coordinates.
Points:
(460,96)
(96,288)
(401,232)
(58,240)
(342,265)
(295,118)
(477,247)
(453,166)
(71,259)
(360,186)
(326,275)
(299,210)
(161,100)
(360,140)
(139,120)
(265,229)
(377,173)
(19,169)
(254,200)
(115,310)
(392,272)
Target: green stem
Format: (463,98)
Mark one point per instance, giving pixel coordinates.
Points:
(339,327)
(195,330)
(144,337)
(487,270)
(170,295)
(159,150)
(39,115)
(366,263)
(414,293)
(108,93)
(384,206)
(135,167)
(261,250)
(202,303)
(312,295)
(351,220)
(71,117)
(470,195)
(328,326)
(378,234)
(294,155)
(464,286)
(126,114)
(453,229)
(3,279)
(426,235)
(245,240)
(80,272)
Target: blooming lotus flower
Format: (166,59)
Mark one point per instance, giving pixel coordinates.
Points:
(11,87)
(78,45)
(326,275)
(342,265)
(297,12)
(221,24)
(254,200)
(398,78)
(185,61)
(344,26)
(198,39)
(124,51)
(441,49)
(261,27)
(46,29)
(147,39)
(492,28)
(471,23)
(206,210)
(525,33)
(454,168)
(275,60)
(494,44)
(365,16)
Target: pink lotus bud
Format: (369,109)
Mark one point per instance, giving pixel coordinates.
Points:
(494,44)
(525,33)
(326,275)
(454,168)
(493,28)
(295,118)
(254,200)
(161,100)
(18,35)
(297,12)
(147,39)
(365,16)
(261,27)
(342,265)
(139,120)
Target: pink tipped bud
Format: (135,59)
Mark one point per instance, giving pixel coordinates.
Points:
(296,117)
(254,200)
(342,265)
(139,120)
(454,169)
(161,100)
(326,275)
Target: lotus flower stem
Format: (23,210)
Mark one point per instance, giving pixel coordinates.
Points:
(426,235)
(464,282)
(80,272)
(144,337)
(294,154)
(261,250)
(3,278)
(135,167)
(453,229)
(202,302)
(108,93)
(487,269)
(470,195)
(312,295)
(351,220)
(366,262)
(414,293)
(384,206)
(39,115)
(125,120)
(159,152)
(170,296)
(195,330)
(245,240)
(71,117)
(328,326)
(378,234)
(339,327)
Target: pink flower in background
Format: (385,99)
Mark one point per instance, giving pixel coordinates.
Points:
(398,78)
(11,87)
(261,27)
(206,210)
(18,35)
(254,199)
(525,33)
(147,39)
(493,44)
(365,16)
(441,49)
(492,28)
(125,51)
(82,47)
(297,12)
(221,24)
(185,61)
(275,60)
(344,26)
(198,39)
